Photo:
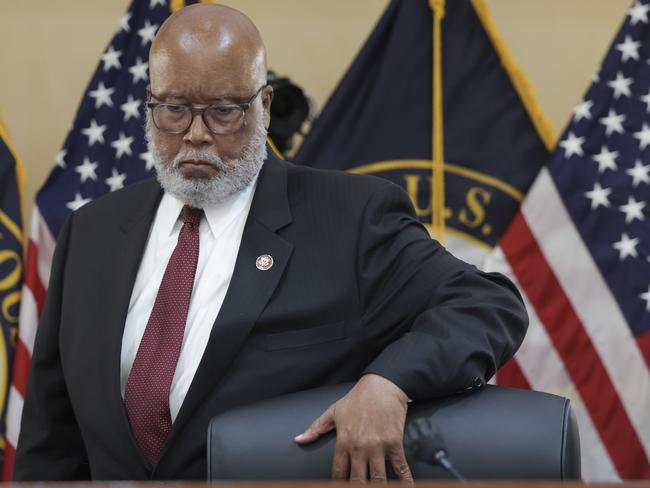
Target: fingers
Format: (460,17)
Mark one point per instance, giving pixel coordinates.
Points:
(322,425)
(363,468)
(360,463)
(340,464)
(377,468)
(400,466)
(358,468)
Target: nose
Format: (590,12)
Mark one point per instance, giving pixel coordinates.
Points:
(198,134)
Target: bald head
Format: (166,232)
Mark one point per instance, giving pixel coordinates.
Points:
(206,56)
(211,40)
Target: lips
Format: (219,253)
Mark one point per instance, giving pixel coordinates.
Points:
(196,162)
(198,168)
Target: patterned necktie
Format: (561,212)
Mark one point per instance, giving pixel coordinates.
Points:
(147,388)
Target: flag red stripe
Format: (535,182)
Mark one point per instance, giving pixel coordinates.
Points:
(22,361)
(32,280)
(510,374)
(580,358)
(8,465)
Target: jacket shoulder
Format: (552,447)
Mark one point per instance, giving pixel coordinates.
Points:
(337,181)
(121,202)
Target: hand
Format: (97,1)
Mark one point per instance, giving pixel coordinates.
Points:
(369,423)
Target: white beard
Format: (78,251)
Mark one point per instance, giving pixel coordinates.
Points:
(233,177)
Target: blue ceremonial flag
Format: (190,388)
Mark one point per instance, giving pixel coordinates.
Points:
(379,120)
(105,150)
(11,262)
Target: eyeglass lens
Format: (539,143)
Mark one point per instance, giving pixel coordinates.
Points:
(218,119)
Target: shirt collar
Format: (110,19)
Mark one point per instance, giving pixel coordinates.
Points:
(218,216)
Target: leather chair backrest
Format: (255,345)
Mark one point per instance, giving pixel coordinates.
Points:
(494,433)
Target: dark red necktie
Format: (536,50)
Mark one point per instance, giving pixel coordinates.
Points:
(147,389)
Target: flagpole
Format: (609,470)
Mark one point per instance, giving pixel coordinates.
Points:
(438,154)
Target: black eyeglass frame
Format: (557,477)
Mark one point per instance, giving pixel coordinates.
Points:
(243,107)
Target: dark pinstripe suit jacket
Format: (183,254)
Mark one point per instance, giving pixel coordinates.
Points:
(357,285)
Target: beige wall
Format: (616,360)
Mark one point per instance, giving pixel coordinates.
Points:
(49,50)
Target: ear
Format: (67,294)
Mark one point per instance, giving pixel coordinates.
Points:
(267,98)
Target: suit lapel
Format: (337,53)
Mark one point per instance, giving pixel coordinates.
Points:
(132,233)
(250,288)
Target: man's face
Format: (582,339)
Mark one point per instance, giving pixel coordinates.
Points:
(198,159)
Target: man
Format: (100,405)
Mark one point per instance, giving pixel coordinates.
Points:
(244,278)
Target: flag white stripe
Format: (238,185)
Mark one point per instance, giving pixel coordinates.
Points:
(14,413)
(28,319)
(581,282)
(45,242)
(544,369)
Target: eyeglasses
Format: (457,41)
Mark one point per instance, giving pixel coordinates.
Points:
(220,119)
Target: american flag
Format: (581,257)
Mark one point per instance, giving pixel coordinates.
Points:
(104,151)
(579,250)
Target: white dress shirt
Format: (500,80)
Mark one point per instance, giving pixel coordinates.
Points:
(220,234)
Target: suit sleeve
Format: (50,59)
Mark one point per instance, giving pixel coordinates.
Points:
(50,446)
(448,325)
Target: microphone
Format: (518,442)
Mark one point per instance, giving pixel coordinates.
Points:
(427,445)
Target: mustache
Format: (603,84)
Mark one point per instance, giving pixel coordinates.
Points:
(198,154)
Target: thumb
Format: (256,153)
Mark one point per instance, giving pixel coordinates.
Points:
(322,425)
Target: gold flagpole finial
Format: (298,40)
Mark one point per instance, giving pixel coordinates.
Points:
(175,5)
(438,7)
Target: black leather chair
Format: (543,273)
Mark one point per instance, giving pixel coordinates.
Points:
(494,433)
